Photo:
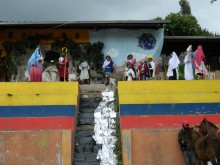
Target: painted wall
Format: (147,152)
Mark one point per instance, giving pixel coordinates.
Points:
(77,35)
(37,122)
(152,112)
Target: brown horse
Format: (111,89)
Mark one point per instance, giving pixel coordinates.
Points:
(206,127)
(206,148)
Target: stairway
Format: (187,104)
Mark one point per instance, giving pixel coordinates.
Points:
(86,148)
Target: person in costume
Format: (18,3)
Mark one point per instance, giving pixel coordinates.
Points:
(173,67)
(188,66)
(151,66)
(140,70)
(146,71)
(108,67)
(130,72)
(130,59)
(35,66)
(84,71)
(185,147)
(199,63)
(63,67)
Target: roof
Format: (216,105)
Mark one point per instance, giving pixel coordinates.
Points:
(191,38)
(125,24)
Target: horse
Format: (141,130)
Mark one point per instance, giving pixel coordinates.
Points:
(206,127)
(206,148)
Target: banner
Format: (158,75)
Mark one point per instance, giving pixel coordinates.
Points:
(118,43)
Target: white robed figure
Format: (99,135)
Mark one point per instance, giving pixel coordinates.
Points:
(173,67)
(84,68)
(188,67)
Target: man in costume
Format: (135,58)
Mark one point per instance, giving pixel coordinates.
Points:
(140,70)
(35,66)
(173,67)
(151,66)
(63,67)
(199,63)
(185,147)
(84,71)
(107,67)
(188,66)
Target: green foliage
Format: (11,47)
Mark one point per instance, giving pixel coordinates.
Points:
(94,54)
(181,72)
(158,18)
(91,52)
(185,7)
(7,67)
(182,25)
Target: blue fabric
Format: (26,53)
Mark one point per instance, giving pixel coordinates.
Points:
(33,60)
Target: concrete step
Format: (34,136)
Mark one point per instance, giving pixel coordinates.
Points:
(85,127)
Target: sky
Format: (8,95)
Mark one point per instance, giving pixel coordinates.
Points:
(206,13)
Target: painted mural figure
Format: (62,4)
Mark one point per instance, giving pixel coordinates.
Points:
(199,63)
(173,67)
(108,67)
(63,67)
(185,147)
(84,71)
(35,66)
(188,66)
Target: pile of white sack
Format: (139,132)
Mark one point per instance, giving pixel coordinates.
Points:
(105,129)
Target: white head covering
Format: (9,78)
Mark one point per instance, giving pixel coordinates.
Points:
(174,61)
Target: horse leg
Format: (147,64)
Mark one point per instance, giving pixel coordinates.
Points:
(218,151)
(213,161)
(204,163)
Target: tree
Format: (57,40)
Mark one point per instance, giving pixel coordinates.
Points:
(182,25)
(185,7)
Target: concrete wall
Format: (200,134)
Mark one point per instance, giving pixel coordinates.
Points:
(37,122)
(151,114)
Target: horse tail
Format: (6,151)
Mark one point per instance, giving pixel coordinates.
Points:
(218,151)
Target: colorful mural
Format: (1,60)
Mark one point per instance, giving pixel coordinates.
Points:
(121,42)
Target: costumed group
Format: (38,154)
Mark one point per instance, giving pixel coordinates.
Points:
(194,63)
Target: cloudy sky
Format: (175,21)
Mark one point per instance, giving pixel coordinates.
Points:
(206,13)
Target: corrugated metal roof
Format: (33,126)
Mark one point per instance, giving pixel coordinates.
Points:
(151,24)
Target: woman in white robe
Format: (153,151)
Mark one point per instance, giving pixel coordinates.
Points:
(173,67)
(188,67)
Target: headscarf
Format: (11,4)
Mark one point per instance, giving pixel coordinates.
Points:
(174,61)
(34,58)
(199,56)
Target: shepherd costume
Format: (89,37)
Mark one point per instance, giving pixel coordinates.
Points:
(84,71)
(63,70)
(107,67)
(35,66)
(151,67)
(130,72)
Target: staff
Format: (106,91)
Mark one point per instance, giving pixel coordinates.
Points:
(65,50)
